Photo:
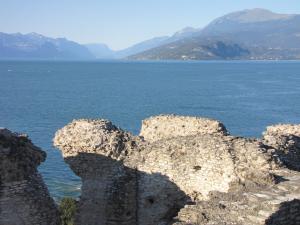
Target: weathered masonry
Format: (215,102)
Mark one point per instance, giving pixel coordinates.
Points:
(183,171)
(24,198)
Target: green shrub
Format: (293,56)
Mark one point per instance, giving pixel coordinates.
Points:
(67,209)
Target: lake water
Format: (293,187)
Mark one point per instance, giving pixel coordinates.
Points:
(40,97)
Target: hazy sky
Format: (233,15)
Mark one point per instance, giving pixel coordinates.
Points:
(120,23)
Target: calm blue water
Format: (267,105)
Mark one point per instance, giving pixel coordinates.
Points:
(40,97)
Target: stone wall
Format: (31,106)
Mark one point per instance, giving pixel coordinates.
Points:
(95,149)
(204,163)
(180,171)
(114,190)
(285,139)
(259,205)
(181,164)
(24,198)
(168,126)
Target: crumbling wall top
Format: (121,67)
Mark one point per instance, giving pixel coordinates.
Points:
(19,157)
(283,129)
(94,137)
(168,126)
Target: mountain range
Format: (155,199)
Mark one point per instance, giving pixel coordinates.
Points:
(250,34)
(36,46)
(256,34)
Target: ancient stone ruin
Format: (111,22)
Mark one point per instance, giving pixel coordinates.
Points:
(285,138)
(183,171)
(170,126)
(24,198)
(179,170)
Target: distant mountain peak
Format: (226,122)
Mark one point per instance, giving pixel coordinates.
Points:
(185,30)
(248,34)
(253,15)
(13,34)
(35,34)
(257,10)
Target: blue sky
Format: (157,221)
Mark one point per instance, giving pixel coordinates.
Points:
(120,23)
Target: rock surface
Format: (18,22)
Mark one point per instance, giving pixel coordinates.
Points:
(24,198)
(184,170)
(274,205)
(285,138)
(168,126)
(95,149)
(204,163)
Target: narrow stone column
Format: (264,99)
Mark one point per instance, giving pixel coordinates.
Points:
(24,198)
(95,150)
